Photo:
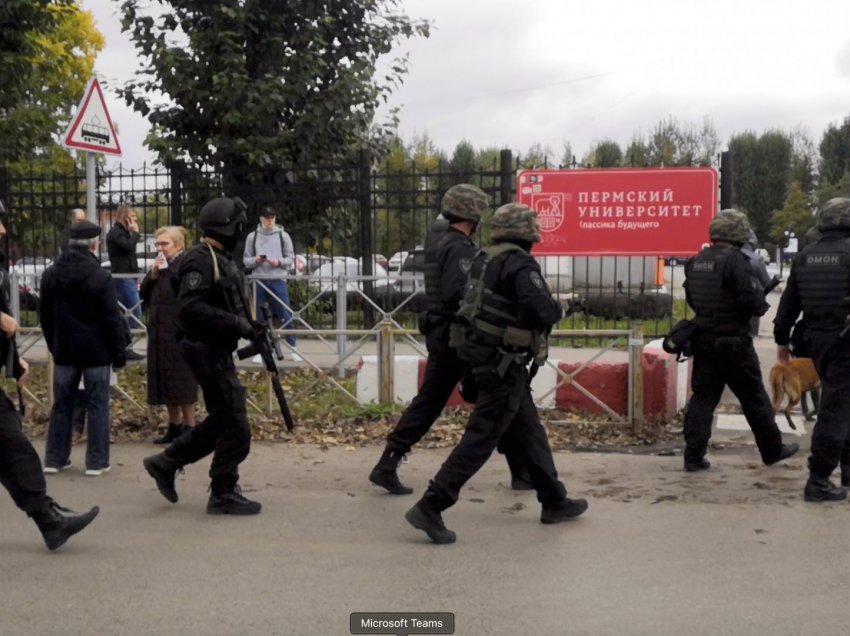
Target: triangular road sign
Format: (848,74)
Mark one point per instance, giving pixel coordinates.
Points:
(92,129)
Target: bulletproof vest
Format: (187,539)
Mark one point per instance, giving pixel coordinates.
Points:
(823,278)
(709,295)
(230,282)
(435,242)
(490,317)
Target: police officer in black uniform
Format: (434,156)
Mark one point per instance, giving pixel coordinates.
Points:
(20,466)
(508,308)
(819,286)
(724,294)
(211,323)
(448,254)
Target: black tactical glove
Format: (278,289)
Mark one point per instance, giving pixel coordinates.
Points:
(244,327)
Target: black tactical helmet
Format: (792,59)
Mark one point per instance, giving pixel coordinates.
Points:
(224,219)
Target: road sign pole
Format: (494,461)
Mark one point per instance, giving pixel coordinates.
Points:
(91,212)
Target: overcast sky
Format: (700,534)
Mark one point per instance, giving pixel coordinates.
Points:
(509,74)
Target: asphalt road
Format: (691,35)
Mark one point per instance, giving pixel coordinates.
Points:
(731,551)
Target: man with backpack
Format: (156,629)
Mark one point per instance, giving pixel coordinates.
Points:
(269,256)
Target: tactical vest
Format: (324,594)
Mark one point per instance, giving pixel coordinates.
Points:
(437,238)
(228,278)
(823,278)
(489,318)
(709,295)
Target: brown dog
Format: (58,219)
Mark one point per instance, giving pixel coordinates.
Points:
(794,380)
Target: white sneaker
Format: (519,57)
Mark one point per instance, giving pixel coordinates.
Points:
(52,470)
(97,472)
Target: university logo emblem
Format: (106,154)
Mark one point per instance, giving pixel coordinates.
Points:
(550,210)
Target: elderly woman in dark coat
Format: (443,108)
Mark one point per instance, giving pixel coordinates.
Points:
(170,381)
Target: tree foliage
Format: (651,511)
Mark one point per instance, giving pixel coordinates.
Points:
(604,154)
(256,83)
(835,152)
(761,174)
(795,216)
(47,53)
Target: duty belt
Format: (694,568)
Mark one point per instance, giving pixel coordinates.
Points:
(519,337)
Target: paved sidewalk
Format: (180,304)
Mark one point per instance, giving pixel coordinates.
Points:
(731,551)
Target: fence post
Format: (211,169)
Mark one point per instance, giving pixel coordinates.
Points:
(364,204)
(175,194)
(636,376)
(506,177)
(386,357)
(341,322)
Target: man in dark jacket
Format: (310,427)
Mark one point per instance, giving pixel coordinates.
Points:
(448,254)
(212,317)
(121,246)
(722,291)
(819,286)
(85,334)
(508,308)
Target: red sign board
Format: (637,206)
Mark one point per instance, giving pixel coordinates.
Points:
(621,211)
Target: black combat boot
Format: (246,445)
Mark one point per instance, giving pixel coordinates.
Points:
(384,473)
(694,464)
(785,452)
(231,502)
(845,475)
(818,490)
(425,516)
(163,469)
(172,433)
(58,524)
(563,511)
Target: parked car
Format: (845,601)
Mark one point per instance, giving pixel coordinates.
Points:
(28,270)
(350,267)
(412,287)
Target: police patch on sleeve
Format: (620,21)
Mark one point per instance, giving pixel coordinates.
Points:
(536,280)
(193,279)
(465,265)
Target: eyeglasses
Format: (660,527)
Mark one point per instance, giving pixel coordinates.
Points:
(161,243)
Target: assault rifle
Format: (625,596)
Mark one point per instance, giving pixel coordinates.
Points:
(264,343)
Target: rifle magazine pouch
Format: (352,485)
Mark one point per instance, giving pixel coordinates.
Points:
(457,335)
(678,341)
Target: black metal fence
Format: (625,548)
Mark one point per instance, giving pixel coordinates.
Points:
(374,211)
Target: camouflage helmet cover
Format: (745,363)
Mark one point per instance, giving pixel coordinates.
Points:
(465,202)
(731,226)
(515,222)
(835,214)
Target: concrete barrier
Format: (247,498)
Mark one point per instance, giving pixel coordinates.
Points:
(665,383)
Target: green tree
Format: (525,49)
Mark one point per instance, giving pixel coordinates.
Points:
(761,174)
(795,216)
(604,154)
(47,53)
(259,84)
(464,162)
(835,152)
(672,143)
(637,153)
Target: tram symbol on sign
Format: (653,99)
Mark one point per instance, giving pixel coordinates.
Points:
(94,133)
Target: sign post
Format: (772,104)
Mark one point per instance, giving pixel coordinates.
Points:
(91,131)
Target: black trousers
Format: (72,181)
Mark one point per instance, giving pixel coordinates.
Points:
(504,411)
(225,431)
(830,442)
(714,368)
(20,466)
(443,370)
